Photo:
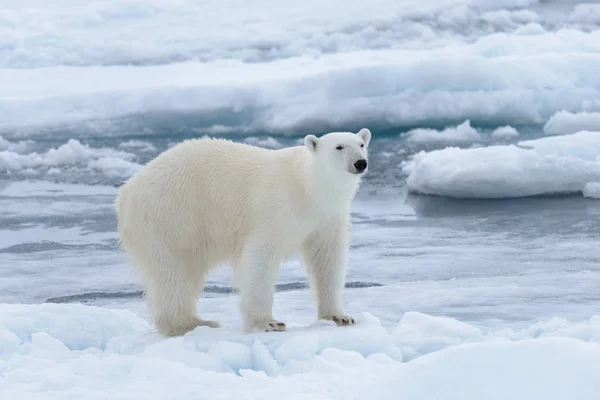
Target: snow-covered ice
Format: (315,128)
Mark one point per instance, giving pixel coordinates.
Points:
(75,351)
(552,165)
(317,66)
(592,189)
(461,134)
(455,298)
(565,122)
(72,157)
(37,33)
(505,132)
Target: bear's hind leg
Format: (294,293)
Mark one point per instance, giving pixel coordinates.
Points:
(172,291)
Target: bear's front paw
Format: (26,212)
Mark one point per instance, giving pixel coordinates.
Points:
(270,325)
(340,320)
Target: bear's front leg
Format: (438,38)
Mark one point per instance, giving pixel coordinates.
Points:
(257,276)
(325,254)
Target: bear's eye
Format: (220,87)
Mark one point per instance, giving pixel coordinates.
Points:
(362,145)
(339,147)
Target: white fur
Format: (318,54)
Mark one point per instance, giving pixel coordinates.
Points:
(206,202)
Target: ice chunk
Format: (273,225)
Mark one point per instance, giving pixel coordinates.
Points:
(559,164)
(417,324)
(17,147)
(73,154)
(65,349)
(419,333)
(592,190)
(493,80)
(552,369)
(68,32)
(505,132)
(586,14)
(565,122)
(78,327)
(460,134)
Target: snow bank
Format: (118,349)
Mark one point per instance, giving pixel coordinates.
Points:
(460,134)
(592,190)
(19,191)
(505,132)
(69,32)
(494,80)
(72,155)
(18,147)
(57,351)
(533,369)
(565,122)
(558,164)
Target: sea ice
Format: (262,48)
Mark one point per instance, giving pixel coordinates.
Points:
(503,78)
(565,122)
(55,351)
(592,190)
(552,165)
(505,132)
(73,154)
(461,134)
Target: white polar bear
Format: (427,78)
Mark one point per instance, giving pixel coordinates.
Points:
(207,202)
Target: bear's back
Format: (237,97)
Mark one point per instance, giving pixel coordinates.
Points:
(218,183)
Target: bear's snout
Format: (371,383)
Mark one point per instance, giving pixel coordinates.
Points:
(360,165)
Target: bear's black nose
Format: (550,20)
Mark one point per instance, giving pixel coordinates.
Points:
(360,165)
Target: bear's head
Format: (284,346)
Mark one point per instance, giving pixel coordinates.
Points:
(340,152)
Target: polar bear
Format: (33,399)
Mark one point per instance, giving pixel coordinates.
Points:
(207,202)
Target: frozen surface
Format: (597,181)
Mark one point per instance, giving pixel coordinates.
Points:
(460,134)
(592,189)
(553,165)
(505,132)
(73,158)
(455,298)
(88,352)
(291,69)
(37,33)
(564,122)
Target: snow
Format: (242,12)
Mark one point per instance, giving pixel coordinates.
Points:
(552,165)
(592,190)
(461,134)
(586,13)
(530,369)
(565,122)
(315,67)
(36,33)
(282,96)
(505,132)
(464,299)
(19,146)
(71,156)
(57,351)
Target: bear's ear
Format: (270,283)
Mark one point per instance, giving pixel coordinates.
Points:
(312,142)
(365,135)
